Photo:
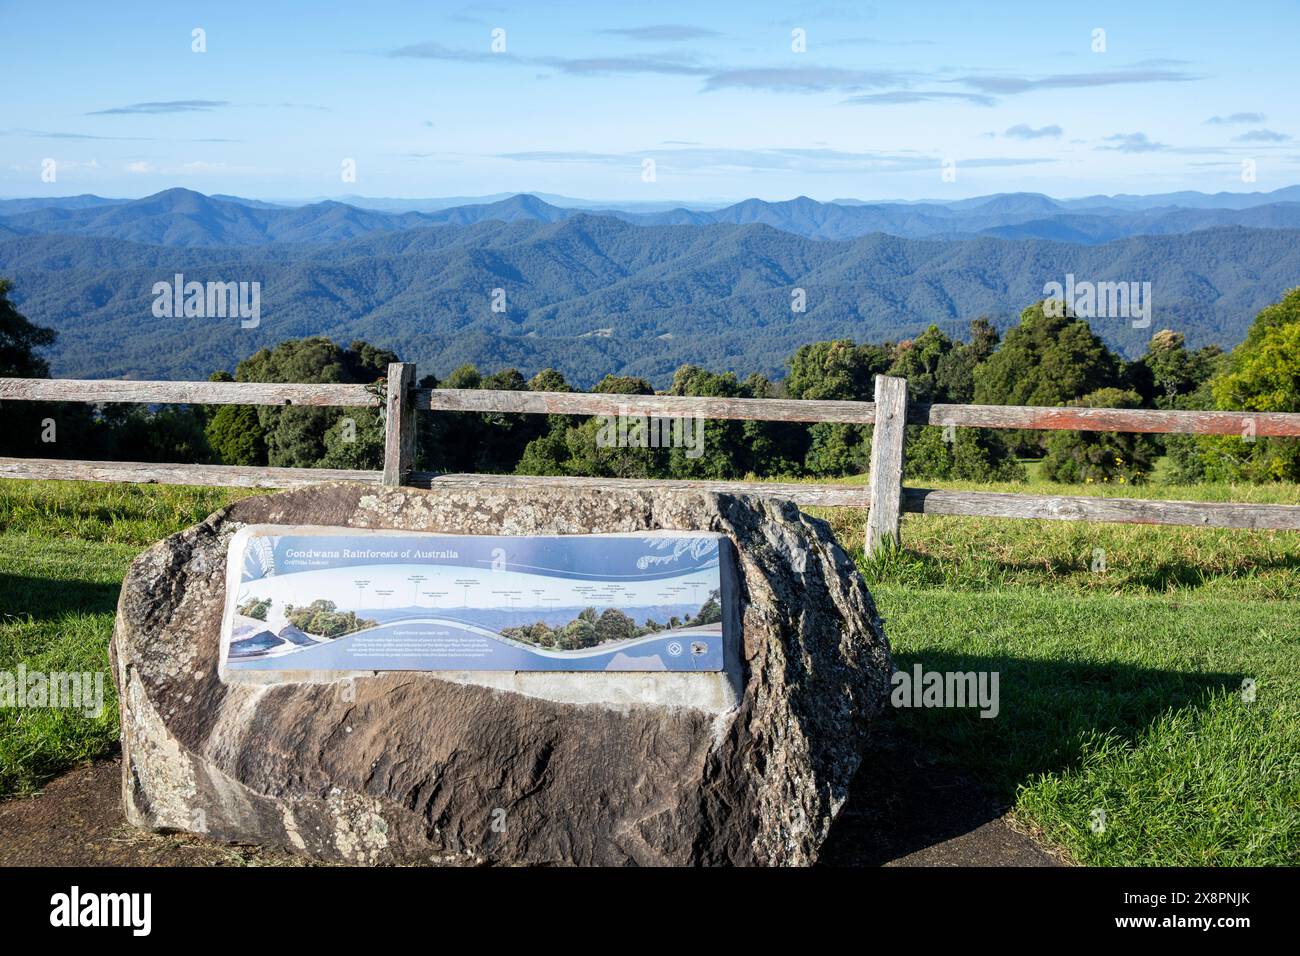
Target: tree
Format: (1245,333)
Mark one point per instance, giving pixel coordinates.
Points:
(623,385)
(837,370)
(614,625)
(1169,372)
(255,608)
(955,374)
(19,340)
(1170,375)
(718,444)
(355,440)
(919,361)
(960,454)
(487,442)
(1101,457)
(710,610)
(771,449)
(168,433)
(36,429)
(938,369)
(576,446)
(576,634)
(1262,375)
(548,380)
(323,619)
(295,437)
(234,432)
(1047,359)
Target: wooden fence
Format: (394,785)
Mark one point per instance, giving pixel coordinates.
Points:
(885,498)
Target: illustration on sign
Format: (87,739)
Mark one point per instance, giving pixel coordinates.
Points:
(343,599)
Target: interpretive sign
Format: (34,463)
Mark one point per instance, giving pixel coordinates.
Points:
(304,598)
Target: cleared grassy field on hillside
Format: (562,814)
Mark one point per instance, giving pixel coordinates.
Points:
(1120,679)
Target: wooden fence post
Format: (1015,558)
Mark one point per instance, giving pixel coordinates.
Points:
(399,425)
(887,463)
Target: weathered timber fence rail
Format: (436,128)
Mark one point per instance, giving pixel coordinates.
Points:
(885,497)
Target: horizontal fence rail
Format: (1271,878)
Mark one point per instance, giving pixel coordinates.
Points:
(662,406)
(184,393)
(884,497)
(227,476)
(1146,420)
(1206,514)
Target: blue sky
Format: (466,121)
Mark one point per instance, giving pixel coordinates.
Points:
(584,94)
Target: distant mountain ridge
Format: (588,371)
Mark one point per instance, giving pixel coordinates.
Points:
(181,217)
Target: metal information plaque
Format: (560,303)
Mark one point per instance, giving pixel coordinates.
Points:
(348,599)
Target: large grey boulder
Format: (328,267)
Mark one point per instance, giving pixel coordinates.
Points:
(749,766)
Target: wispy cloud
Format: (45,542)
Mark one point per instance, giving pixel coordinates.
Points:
(664,63)
(1233,118)
(1133,143)
(196,167)
(163,106)
(809,161)
(907,97)
(871,41)
(811,79)
(1025,131)
(1007,85)
(870,87)
(987,87)
(314,107)
(43,134)
(663,32)
(611,65)
(47,134)
(432,50)
(1261,136)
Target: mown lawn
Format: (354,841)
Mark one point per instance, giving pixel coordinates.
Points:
(1120,680)
(64,549)
(1121,652)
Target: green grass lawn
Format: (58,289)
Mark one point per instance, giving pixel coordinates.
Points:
(64,549)
(1120,686)
(1120,678)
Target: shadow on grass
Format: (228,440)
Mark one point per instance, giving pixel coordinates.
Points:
(934,774)
(45,599)
(1175,574)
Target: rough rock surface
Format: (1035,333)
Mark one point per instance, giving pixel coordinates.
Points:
(415,767)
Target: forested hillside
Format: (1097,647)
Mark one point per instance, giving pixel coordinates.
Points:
(590,295)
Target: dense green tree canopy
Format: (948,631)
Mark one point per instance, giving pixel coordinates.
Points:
(1101,457)
(1046,360)
(1169,372)
(297,437)
(40,429)
(1262,375)
(19,340)
(836,370)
